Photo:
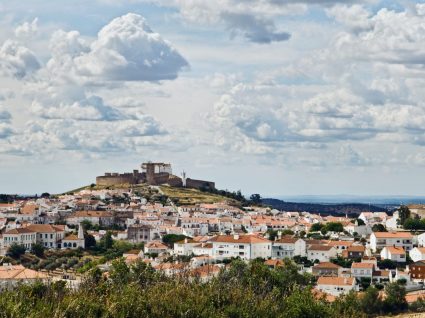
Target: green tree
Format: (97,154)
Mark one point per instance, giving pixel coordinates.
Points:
(38,250)
(255,198)
(370,301)
(170,239)
(16,250)
(89,241)
(334,227)
(395,300)
(119,272)
(379,228)
(403,213)
(316,227)
(106,241)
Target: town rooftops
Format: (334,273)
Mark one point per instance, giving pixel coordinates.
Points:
(45,228)
(317,247)
(395,250)
(338,281)
(356,248)
(156,244)
(19,272)
(71,237)
(327,265)
(21,230)
(362,265)
(405,235)
(340,243)
(247,239)
(287,239)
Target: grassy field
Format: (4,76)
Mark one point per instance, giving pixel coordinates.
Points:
(185,196)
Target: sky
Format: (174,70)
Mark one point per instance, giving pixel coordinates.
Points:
(277,97)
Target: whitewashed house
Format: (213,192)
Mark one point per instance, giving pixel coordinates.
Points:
(417,254)
(288,247)
(396,254)
(336,286)
(378,240)
(243,246)
(322,253)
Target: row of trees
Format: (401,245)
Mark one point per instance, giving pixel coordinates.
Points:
(243,290)
(328,227)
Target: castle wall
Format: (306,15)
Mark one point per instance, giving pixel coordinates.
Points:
(113,180)
(198,184)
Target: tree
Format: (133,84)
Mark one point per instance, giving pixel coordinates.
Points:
(255,198)
(334,227)
(387,264)
(119,272)
(107,241)
(316,227)
(403,213)
(395,300)
(38,250)
(89,241)
(45,195)
(87,225)
(170,239)
(379,228)
(16,250)
(360,222)
(371,302)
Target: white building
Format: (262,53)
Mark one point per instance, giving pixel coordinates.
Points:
(288,247)
(20,236)
(421,239)
(417,254)
(73,241)
(323,253)
(336,286)
(362,270)
(378,240)
(396,254)
(185,247)
(243,246)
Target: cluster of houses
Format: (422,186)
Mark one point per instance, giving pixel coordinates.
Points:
(214,233)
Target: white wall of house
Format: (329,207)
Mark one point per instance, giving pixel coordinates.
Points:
(322,256)
(336,290)
(396,257)
(380,243)
(416,255)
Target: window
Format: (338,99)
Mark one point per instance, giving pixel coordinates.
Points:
(241,247)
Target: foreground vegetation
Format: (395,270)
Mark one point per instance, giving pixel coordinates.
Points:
(243,290)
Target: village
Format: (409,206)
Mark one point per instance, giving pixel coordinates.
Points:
(75,232)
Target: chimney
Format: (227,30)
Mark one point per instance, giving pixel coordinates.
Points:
(185,240)
(236,236)
(279,235)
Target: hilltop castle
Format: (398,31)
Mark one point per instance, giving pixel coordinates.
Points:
(153,173)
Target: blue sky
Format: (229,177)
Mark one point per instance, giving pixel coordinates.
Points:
(276,97)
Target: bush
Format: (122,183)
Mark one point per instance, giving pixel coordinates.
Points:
(16,251)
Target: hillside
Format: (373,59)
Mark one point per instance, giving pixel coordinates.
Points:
(350,208)
(186,196)
(180,196)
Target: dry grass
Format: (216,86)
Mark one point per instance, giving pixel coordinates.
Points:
(185,196)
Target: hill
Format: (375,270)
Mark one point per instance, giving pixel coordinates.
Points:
(327,209)
(186,196)
(179,196)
